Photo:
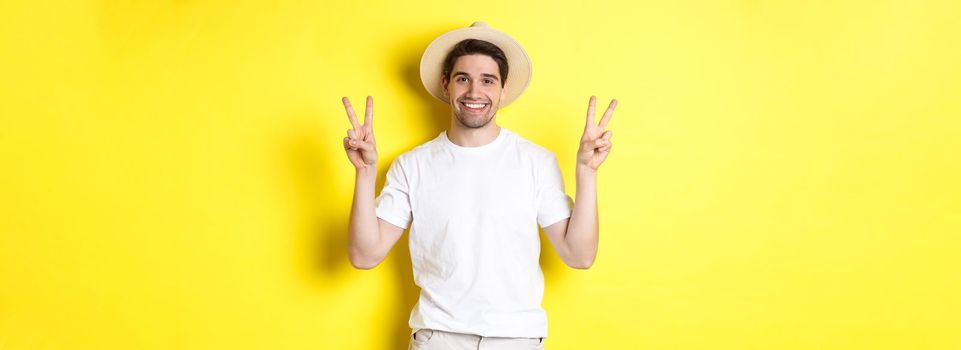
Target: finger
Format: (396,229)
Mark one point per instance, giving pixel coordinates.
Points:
(607,135)
(361,145)
(601,143)
(590,111)
(605,148)
(350,113)
(349,144)
(369,112)
(601,156)
(352,134)
(608,114)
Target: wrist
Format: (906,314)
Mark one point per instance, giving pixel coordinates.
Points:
(367,172)
(585,170)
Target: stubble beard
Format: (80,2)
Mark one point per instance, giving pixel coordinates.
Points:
(476,123)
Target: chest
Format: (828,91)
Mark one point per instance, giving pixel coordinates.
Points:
(501,187)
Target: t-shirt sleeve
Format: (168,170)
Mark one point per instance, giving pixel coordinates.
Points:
(393,204)
(553,204)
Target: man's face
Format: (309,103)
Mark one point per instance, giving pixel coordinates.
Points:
(474,90)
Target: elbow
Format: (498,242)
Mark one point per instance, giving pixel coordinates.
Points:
(582,264)
(363,265)
(361,262)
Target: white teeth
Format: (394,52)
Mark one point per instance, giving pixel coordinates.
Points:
(475,105)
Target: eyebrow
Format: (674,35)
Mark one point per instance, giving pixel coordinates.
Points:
(482,74)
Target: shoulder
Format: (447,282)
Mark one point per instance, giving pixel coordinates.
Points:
(423,151)
(529,149)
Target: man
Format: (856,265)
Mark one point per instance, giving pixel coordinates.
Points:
(473,198)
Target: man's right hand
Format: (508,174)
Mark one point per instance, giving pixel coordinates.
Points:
(359,143)
(369,238)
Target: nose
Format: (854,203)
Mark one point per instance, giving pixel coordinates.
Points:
(472,90)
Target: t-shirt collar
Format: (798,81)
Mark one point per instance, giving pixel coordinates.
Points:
(479,149)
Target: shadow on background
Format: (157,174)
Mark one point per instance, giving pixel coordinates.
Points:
(321,243)
(324,239)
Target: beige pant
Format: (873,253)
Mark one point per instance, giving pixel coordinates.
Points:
(430,339)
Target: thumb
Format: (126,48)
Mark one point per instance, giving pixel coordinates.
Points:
(363,145)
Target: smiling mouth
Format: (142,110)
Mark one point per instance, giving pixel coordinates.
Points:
(474,107)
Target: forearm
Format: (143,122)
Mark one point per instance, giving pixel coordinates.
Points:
(363,231)
(582,230)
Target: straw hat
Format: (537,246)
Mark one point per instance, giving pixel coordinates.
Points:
(432,63)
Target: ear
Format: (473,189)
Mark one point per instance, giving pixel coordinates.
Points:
(443,87)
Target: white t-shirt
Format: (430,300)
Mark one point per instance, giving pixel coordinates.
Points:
(474,243)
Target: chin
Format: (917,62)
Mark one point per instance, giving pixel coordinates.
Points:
(474,123)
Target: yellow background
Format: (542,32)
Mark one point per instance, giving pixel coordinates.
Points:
(785,174)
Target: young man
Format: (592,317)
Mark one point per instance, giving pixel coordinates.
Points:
(473,198)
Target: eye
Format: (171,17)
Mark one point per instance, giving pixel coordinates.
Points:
(488,81)
(461,79)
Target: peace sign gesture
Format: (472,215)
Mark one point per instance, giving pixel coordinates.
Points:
(595,143)
(359,143)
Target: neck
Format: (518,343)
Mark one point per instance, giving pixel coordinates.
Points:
(470,137)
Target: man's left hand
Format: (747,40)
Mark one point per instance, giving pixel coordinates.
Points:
(596,142)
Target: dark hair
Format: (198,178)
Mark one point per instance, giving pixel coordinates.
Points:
(476,46)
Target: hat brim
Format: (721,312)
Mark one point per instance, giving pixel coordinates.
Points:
(519,64)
